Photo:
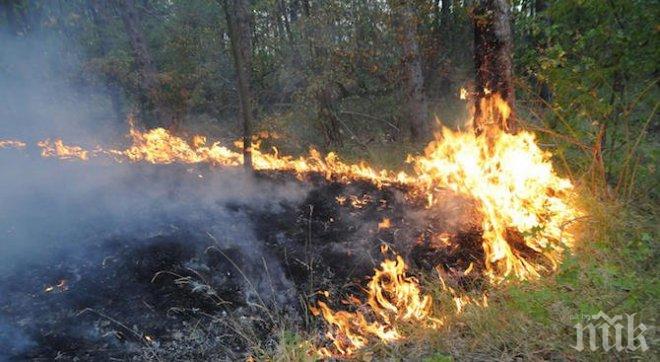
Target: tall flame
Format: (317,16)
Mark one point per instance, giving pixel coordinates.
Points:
(524,204)
(516,188)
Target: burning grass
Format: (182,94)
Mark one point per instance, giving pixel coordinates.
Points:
(517,228)
(393,298)
(520,197)
(12,144)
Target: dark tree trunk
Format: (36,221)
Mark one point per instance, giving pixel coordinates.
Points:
(149,83)
(13,25)
(445,12)
(100,18)
(361,44)
(285,22)
(237,13)
(293,10)
(493,51)
(416,105)
(437,74)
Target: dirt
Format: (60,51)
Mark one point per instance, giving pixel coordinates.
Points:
(183,292)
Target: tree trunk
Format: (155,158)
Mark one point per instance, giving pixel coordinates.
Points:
(100,18)
(10,13)
(148,75)
(439,68)
(239,23)
(493,51)
(416,105)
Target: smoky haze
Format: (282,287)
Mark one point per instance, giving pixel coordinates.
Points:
(37,101)
(46,203)
(52,209)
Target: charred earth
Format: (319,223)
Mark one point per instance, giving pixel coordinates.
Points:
(196,263)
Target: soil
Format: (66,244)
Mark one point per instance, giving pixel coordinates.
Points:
(185,291)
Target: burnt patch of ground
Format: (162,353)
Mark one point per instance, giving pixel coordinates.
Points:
(86,305)
(332,239)
(219,274)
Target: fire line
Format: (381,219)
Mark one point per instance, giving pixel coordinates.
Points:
(521,198)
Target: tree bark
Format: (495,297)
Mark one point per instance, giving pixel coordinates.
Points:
(416,105)
(149,83)
(493,52)
(10,12)
(437,75)
(100,18)
(238,18)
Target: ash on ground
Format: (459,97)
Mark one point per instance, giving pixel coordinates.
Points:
(169,262)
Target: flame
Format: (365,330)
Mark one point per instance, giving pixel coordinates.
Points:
(62,286)
(12,144)
(161,147)
(393,298)
(62,151)
(522,201)
(516,187)
(525,206)
(460,299)
(463,94)
(385,224)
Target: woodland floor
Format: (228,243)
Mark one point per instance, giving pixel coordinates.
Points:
(129,296)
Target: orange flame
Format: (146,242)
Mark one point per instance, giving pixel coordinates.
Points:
(393,298)
(516,187)
(62,151)
(524,203)
(521,198)
(12,144)
(385,224)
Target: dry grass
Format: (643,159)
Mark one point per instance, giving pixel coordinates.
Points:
(612,269)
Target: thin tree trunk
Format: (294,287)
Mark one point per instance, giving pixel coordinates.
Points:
(100,16)
(149,83)
(437,72)
(10,13)
(493,51)
(238,22)
(412,66)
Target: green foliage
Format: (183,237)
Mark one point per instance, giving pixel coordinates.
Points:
(599,59)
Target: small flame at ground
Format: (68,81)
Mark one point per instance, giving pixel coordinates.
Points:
(12,144)
(62,286)
(62,151)
(385,224)
(393,298)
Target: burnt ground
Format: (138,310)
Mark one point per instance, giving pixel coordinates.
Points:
(213,280)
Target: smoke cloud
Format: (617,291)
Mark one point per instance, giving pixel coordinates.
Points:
(53,212)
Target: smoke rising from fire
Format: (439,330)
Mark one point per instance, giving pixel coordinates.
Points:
(52,211)
(492,201)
